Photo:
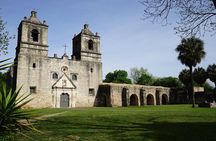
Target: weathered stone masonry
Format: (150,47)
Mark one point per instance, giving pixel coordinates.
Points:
(74,81)
(111,94)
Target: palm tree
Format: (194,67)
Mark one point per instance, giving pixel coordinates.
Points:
(191,51)
(184,77)
(211,70)
(200,75)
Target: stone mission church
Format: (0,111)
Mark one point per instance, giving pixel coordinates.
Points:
(71,81)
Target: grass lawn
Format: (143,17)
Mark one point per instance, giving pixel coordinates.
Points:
(148,123)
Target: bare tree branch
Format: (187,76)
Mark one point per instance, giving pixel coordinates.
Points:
(195,17)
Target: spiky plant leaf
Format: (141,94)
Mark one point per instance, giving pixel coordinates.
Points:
(10,109)
(4,64)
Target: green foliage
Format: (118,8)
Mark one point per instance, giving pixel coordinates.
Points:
(200,76)
(10,106)
(141,76)
(136,73)
(4,38)
(118,76)
(3,77)
(145,79)
(10,109)
(191,51)
(211,70)
(184,77)
(171,82)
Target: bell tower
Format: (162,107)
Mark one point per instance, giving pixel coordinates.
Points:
(86,46)
(31,51)
(32,36)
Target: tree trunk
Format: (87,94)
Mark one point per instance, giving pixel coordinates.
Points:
(191,86)
(215,93)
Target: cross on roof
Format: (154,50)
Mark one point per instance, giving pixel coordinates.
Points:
(65,47)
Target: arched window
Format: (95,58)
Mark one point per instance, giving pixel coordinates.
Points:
(74,77)
(90,45)
(34,35)
(55,75)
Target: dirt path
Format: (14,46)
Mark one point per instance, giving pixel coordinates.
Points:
(49,115)
(23,121)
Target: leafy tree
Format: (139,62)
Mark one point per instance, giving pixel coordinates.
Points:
(4,38)
(191,51)
(141,76)
(194,16)
(135,73)
(184,77)
(211,70)
(171,82)
(146,79)
(118,76)
(200,76)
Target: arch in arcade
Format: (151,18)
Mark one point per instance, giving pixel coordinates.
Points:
(133,100)
(150,99)
(164,99)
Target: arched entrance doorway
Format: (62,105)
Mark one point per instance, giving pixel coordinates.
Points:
(164,99)
(104,99)
(133,100)
(150,99)
(64,100)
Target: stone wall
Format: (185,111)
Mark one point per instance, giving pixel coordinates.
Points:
(113,94)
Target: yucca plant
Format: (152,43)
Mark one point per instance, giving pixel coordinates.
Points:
(11,116)
(4,64)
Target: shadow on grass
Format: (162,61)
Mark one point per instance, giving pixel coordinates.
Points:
(106,129)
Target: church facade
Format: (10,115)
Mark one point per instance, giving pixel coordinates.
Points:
(71,81)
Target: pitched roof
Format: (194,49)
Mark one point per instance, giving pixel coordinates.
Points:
(64,82)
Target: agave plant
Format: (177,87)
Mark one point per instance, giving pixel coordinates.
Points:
(4,65)
(11,115)
(12,118)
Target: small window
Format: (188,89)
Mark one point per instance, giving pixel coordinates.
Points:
(91,92)
(34,65)
(34,35)
(90,45)
(55,75)
(91,70)
(32,90)
(74,77)
(64,69)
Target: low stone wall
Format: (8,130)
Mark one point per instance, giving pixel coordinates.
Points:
(114,94)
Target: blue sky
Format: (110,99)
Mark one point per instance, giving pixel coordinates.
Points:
(126,40)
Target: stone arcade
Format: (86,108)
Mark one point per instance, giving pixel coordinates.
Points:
(74,81)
